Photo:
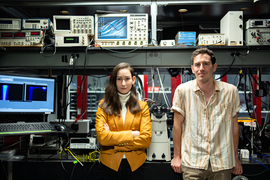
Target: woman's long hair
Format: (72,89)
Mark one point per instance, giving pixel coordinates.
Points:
(111,103)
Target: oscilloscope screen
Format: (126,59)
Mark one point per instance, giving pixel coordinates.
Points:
(112,28)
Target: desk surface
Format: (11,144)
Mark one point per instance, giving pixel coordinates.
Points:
(52,169)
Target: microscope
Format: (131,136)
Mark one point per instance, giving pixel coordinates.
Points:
(159,148)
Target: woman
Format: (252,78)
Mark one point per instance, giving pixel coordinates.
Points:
(123,127)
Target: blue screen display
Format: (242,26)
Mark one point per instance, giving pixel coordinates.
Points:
(20,94)
(112,27)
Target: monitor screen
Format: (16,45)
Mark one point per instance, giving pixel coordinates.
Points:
(112,27)
(21,94)
(62,24)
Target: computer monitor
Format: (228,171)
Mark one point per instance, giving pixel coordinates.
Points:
(22,94)
(112,30)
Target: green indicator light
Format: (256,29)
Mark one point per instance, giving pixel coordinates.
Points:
(17,132)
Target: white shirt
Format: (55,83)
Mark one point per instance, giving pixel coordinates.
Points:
(123,100)
(207,132)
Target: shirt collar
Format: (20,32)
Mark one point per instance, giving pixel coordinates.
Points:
(218,86)
(124,97)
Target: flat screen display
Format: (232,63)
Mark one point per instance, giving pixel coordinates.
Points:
(62,24)
(21,94)
(112,28)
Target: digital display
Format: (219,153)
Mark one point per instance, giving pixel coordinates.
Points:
(71,39)
(5,22)
(19,34)
(62,24)
(112,28)
(21,94)
(6,35)
(258,23)
(11,92)
(35,33)
(36,93)
(32,21)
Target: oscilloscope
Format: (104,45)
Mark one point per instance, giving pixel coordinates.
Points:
(113,30)
(73,25)
(72,30)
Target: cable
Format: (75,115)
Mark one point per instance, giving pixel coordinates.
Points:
(4,169)
(73,169)
(163,90)
(84,74)
(182,21)
(12,144)
(153,82)
(266,116)
(45,47)
(63,167)
(246,101)
(139,88)
(247,53)
(240,76)
(89,170)
(77,160)
(260,162)
(229,68)
(121,52)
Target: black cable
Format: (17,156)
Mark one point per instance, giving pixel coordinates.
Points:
(49,156)
(45,47)
(256,83)
(182,21)
(229,69)
(73,169)
(245,94)
(84,74)
(4,169)
(89,170)
(240,76)
(73,69)
(63,167)
(253,144)
(247,53)
(253,91)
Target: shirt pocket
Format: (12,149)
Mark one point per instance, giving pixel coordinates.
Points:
(223,113)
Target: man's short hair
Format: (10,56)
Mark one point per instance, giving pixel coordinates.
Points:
(203,51)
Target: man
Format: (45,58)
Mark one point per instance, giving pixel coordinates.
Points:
(205,129)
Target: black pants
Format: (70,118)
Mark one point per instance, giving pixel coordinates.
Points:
(124,172)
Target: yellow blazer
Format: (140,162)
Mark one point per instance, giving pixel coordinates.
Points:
(119,140)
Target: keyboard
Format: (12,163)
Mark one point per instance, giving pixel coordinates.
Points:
(26,128)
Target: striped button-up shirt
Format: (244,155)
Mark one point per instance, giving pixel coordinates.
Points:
(207,131)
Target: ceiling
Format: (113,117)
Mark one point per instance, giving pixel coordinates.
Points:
(202,16)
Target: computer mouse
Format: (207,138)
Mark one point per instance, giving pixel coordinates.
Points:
(61,127)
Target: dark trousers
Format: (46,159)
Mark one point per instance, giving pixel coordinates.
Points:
(124,172)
